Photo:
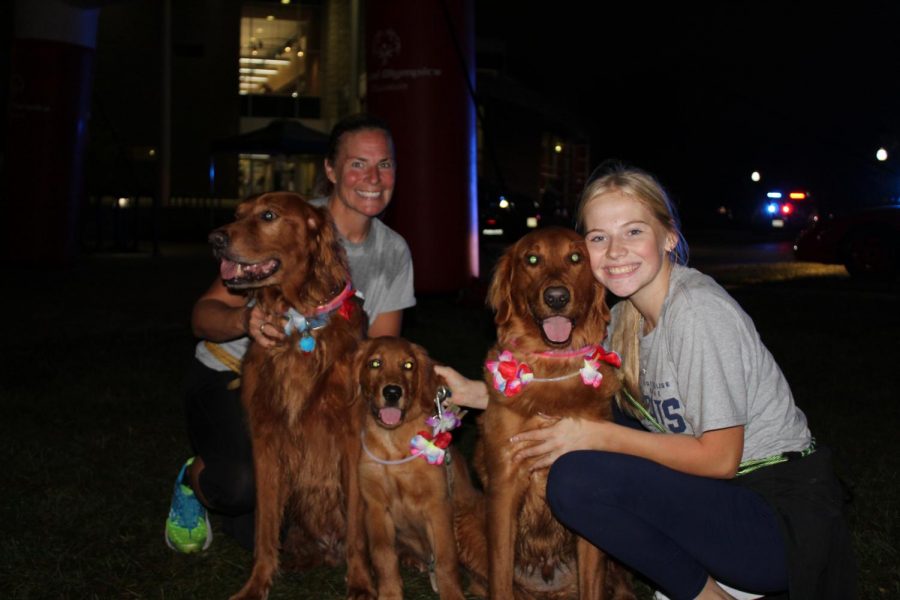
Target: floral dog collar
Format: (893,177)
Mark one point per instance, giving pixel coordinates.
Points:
(510,375)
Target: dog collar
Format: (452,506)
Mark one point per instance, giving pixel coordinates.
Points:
(338,301)
(510,375)
(305,325)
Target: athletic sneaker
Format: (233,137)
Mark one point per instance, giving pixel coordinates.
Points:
(187,528)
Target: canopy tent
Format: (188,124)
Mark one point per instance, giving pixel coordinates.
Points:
(281,136)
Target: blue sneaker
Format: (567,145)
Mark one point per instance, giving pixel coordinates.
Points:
(187,528)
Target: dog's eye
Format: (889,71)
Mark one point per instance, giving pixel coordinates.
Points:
(532,259)
(268,216)
(408,365)
(375,363)
(575,258)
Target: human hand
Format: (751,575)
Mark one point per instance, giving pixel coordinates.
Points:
(466,392)
(553,437)
(265,328)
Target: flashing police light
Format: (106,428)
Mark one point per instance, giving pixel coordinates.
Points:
(772,208)
(774,195)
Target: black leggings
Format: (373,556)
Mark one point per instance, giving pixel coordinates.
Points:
(676,529)
(217,428)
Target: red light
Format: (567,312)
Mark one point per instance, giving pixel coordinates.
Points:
(492,221)
(787,208)
(797,195)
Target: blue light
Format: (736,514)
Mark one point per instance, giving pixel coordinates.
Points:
(772,208)
(774,195)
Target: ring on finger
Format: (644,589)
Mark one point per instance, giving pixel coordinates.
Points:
(261,325)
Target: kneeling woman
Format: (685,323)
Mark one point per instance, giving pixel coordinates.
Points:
(735,489)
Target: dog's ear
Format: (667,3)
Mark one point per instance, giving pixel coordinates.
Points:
(329,266)
(358,359)
(427,381)
(499,295)
(597,320)
(356,363)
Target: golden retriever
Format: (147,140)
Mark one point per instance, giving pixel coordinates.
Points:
(418,496)
(550,315)
(305,439)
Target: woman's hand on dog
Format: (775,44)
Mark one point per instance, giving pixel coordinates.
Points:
(465,392)
(264,328)
(554,437)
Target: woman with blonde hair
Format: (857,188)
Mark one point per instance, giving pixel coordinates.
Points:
(722,481)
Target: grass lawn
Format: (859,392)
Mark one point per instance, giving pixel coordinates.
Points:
(92,432)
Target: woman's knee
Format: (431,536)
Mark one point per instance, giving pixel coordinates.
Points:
(231,491)
(565,484)
(584,478)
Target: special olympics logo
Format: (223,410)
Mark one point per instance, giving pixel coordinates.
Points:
(386,45)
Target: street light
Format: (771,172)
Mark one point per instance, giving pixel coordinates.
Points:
(755,176)
(881,154)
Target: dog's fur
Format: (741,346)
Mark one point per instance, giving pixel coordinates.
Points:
(305,440)
(413,509)
(545,274)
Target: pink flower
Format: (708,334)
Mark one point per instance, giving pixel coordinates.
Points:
(510,376)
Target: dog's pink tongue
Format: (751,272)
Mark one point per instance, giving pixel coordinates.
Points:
(557,329)
(228,269)
(390,416)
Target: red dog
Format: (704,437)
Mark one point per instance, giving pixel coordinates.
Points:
(550,316)
(305,437)
(412,486)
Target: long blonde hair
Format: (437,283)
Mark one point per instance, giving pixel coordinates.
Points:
(642,186)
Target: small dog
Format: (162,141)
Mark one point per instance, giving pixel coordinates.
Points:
(419,499)
(305,439)
(551,316)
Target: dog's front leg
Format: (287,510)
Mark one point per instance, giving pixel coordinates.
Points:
(443,546)
(383,550)
(359,580)
(504,496)
(591,571)
(270,500)
(501,539)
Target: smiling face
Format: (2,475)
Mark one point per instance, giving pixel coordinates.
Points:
(363,171)
(627,246)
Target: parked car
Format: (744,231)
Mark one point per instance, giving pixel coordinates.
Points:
(506,217)
(866,242)
(791,209)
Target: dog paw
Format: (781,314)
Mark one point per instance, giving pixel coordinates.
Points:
(361,594)
(252,592)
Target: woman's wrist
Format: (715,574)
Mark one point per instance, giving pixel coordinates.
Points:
(245,314)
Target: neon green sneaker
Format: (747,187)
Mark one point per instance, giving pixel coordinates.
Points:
(187,528)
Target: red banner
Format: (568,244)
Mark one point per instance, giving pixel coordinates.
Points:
(47,124)
(420,59)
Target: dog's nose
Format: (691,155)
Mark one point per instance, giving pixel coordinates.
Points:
(392,393)
(218,239)
(556,297)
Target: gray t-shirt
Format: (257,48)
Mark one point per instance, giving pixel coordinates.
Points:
(381,270)
(704,367)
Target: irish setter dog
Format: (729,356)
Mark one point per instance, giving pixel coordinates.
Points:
(419,498)
(551,315)
(297,397)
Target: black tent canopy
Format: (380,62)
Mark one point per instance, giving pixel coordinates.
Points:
(281,136)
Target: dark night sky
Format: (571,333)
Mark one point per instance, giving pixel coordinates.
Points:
(704,95)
